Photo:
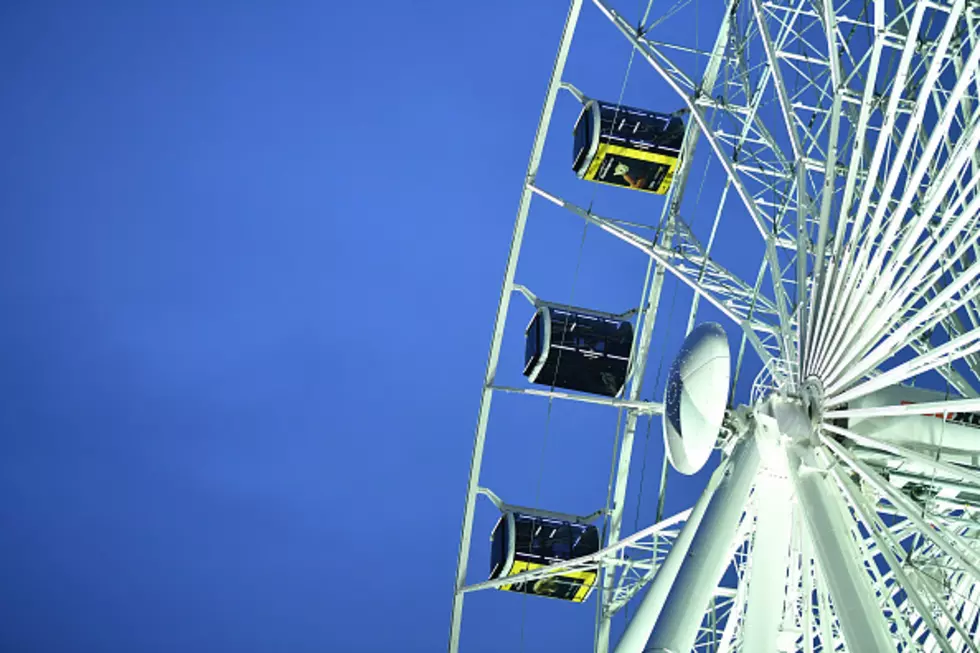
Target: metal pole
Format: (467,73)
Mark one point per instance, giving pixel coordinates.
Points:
(639,628)
(473,484)
(705,561)
(770,558)
(860,617)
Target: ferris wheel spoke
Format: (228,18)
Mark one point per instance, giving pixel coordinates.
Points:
(950,228)
(886,278)
(913,330)
(842,309)
(930,462)
(789,118)
(953,326)
(960,126)
(807,144)
(922,272)
(893,314)
(857,154)
(939,535)
(856,609)
(948,234)
(947,408)
(889,550)
(902,321)
(939,189)
(828,305)
(970,309)
(934,358)
(874,281)
(830,172)
(836,334)
(925,318)
(882,314)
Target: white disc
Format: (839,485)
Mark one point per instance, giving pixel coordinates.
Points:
(696,397)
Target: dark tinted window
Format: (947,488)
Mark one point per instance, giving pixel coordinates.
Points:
(583,136)
(561,542)
(498,548)
(586,542)
(532,346)
(673,136)
(548,540)
(633,125)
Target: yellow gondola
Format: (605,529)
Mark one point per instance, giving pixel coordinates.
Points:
(626,146)
(522,542)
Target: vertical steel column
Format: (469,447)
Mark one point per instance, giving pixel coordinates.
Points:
(473,484)
(861,620)
(767,578)
(705,561)
(641,625)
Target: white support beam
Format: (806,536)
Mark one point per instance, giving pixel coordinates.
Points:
(767,575)
(640,407)
(708,555)
(855,604)
(639,628)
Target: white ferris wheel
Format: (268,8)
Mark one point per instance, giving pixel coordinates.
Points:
(844,511)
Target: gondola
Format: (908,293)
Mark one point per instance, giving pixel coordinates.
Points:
(627,146)
(578,350)
(522,542)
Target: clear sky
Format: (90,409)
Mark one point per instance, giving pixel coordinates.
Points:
(250,258)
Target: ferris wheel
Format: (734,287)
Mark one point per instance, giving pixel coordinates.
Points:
(844,511)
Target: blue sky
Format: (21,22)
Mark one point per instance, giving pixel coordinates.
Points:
(250,262)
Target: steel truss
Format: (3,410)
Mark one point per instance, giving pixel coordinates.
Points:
(847,134)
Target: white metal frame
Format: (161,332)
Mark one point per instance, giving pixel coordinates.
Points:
(850,134)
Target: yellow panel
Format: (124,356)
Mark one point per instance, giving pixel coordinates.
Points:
(583,591)
(668,178)
(587,577)
(640,155)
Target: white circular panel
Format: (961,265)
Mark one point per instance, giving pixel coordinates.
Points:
(696,397)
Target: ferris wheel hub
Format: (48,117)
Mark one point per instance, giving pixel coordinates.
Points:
(812,396)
